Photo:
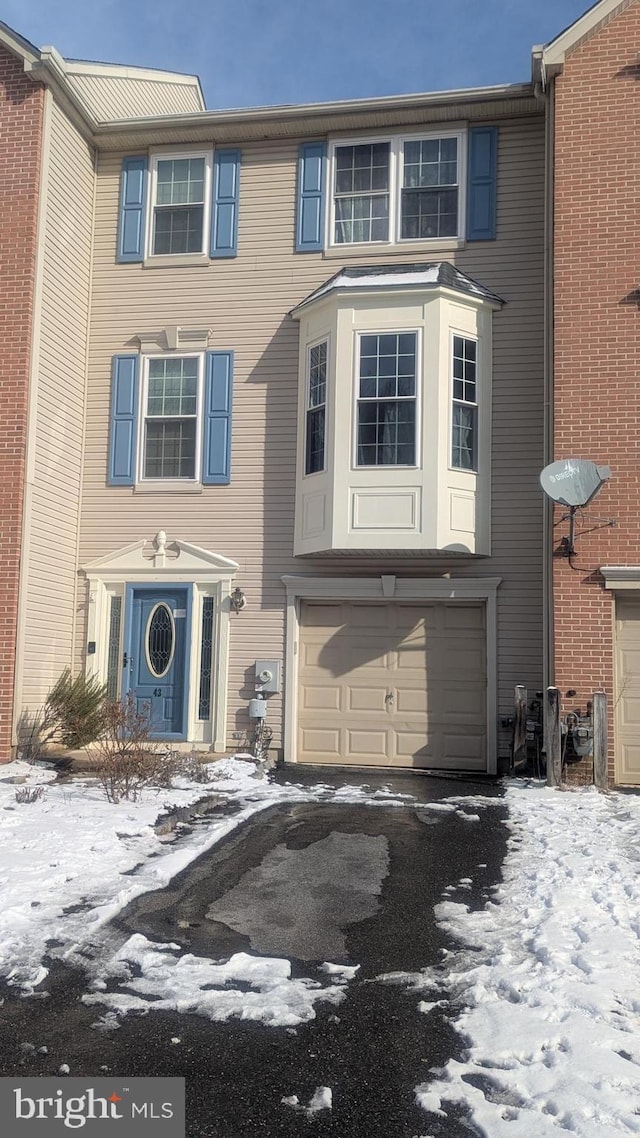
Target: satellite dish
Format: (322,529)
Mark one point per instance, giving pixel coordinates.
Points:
(573,481)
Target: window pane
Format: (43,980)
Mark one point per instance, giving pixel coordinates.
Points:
(113,651)
(429,213)
(430,162)
(464,369)
(317,375)
(362,169)
(362,219)
(173,387)
(463,441)
(314,459)
(180,181)
(170,448)
(206,654)
(178,230)
(386,433)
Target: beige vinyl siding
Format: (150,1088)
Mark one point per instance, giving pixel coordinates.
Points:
(50,579)
(111,97)
(245,302)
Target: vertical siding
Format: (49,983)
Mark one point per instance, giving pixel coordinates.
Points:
(59,415)
(245,302)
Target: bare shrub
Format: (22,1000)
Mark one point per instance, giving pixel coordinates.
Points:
(193,768)
(128,760)
(29,793)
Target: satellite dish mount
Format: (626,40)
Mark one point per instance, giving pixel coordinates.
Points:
(573,482)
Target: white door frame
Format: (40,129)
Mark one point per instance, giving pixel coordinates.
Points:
(389,588)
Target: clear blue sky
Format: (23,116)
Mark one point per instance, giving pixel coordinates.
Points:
(256,52)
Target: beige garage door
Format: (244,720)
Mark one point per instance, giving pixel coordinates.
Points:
(628,690)
(400,685)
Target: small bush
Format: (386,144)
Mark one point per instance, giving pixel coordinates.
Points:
(73,716)
(29,793)
(128,760)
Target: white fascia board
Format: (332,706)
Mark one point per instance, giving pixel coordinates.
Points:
(553,54)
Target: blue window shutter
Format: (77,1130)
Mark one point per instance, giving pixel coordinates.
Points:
(124,414)
(481,198)
(216,456)
(224,220)
(133,198)
(311,178)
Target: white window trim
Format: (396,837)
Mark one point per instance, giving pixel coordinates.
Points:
(142,419)
(478,433)
(310,346)
(389,589)
(420,369)
(396,158)
(177,155)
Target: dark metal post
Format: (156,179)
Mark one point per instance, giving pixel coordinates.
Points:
(600,724)
(552,736)
(520,727)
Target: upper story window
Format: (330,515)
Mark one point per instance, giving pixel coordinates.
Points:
(400,189)
(171,420)
(179,207)
(386,418)
(316,408)
(169,445)
(180,186)
(464,425)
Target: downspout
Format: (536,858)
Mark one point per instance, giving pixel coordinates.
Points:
(547,540)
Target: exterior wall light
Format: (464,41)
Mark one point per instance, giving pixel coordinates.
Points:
(237,599)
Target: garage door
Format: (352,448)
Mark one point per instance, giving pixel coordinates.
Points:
(628,690)
(400,685)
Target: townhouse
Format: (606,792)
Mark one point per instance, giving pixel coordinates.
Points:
(289,393)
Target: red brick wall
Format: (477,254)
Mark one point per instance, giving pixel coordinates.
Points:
(597,336)
(21,111)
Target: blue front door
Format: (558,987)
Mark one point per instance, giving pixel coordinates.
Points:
(156,660)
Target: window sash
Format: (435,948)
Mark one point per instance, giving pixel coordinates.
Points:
(316,412)
(172,418)
(180,204)
(386,418)
(464,394)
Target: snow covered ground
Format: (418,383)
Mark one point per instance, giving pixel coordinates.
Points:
(543,983)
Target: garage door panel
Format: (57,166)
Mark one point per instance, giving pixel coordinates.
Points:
(321,698)
(323,743)
(436,678)
(408,702)
(628,690)
(367,743)
(463,617)
(629,762)
(467,705)
(366,699)
(324,616)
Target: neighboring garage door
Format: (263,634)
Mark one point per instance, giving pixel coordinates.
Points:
(393,684)
(628,690)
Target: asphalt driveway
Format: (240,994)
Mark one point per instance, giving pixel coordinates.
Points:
(353,884)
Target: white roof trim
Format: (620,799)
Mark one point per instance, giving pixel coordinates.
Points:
(554,53)
(126,71)
(160,559)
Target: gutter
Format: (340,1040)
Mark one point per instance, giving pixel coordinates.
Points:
(300,112)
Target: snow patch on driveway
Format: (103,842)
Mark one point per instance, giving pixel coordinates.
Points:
(548,975)
(152,976)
